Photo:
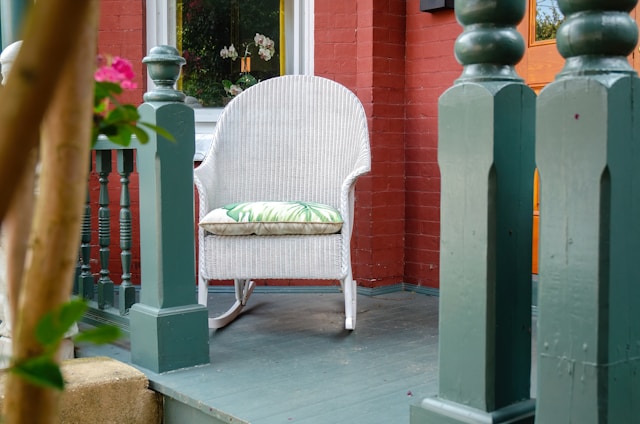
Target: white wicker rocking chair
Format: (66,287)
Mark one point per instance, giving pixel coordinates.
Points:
(290,138)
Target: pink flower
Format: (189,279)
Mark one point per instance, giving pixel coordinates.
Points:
(116,70)
(124,67)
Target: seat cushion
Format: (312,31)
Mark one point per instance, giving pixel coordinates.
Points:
(272,218)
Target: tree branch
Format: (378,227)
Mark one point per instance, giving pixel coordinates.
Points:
(51,35)
(65,147)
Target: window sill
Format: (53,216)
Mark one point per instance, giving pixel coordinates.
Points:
(206,119)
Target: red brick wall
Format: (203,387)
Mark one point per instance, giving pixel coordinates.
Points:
(361,45)
(122,33)
(398,61)
(430,68)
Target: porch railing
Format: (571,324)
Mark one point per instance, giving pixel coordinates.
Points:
(109,303)
(168,329)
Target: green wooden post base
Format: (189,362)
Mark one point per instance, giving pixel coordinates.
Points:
(85,288)
(127,297)
(105,294)
(169,330)
(437,411)
(486,160)
(169,338)
(588,133)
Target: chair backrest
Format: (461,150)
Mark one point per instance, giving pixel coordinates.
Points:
(295,137)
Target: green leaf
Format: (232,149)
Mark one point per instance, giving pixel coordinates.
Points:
(140,134)
(124,114)
(52,326)
(122,135)
(104,89)
(99,335)
(41,371)
(247,80)
(99,108)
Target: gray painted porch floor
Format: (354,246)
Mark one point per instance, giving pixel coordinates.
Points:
(287,359)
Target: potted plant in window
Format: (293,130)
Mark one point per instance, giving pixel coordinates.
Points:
(265,48)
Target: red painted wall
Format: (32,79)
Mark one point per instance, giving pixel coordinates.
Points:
(121,33)
(398,61)
(361,45)
(431,68)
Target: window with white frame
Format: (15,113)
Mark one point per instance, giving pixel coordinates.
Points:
(269,38)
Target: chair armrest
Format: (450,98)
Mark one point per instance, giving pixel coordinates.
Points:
(347,198)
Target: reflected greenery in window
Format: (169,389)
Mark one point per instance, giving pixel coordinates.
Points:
(228,44)
(548,19)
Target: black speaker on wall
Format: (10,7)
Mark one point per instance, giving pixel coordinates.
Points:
(435,5)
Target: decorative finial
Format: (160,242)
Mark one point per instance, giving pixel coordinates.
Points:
(490,44)
(164,64)
(597,36)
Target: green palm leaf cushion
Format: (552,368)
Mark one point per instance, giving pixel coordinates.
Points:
(272,218)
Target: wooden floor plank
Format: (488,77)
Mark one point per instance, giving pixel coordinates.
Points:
(288,359)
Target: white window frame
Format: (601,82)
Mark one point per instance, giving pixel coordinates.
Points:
(299,39)
(299,32)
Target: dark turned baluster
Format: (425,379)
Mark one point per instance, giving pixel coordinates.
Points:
(105,285)
(85,283)
(86,221)
(75,289)
(127,292)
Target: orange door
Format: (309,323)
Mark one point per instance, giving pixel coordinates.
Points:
(541,61)
(539,66)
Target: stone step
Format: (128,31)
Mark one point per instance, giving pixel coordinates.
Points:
(101,390)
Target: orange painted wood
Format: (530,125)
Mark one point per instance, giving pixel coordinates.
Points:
(538,67)
(536,223)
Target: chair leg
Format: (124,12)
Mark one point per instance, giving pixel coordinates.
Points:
(203,291)
(243,289)
(350,301)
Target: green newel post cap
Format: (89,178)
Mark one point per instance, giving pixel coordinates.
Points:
(164,64)
(490,45)
(597,36)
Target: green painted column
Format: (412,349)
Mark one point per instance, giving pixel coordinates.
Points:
(588,154)
(12,14)
(486,158)
(168,327)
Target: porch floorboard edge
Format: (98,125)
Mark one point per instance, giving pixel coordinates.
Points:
(287,358)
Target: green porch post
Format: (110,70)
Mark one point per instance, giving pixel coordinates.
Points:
(588,154)
(486,158)
(12,13)
(168,328)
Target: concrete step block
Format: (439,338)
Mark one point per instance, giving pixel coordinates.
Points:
(101,390)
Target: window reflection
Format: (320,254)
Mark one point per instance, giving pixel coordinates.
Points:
(548,19)
(229,45)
